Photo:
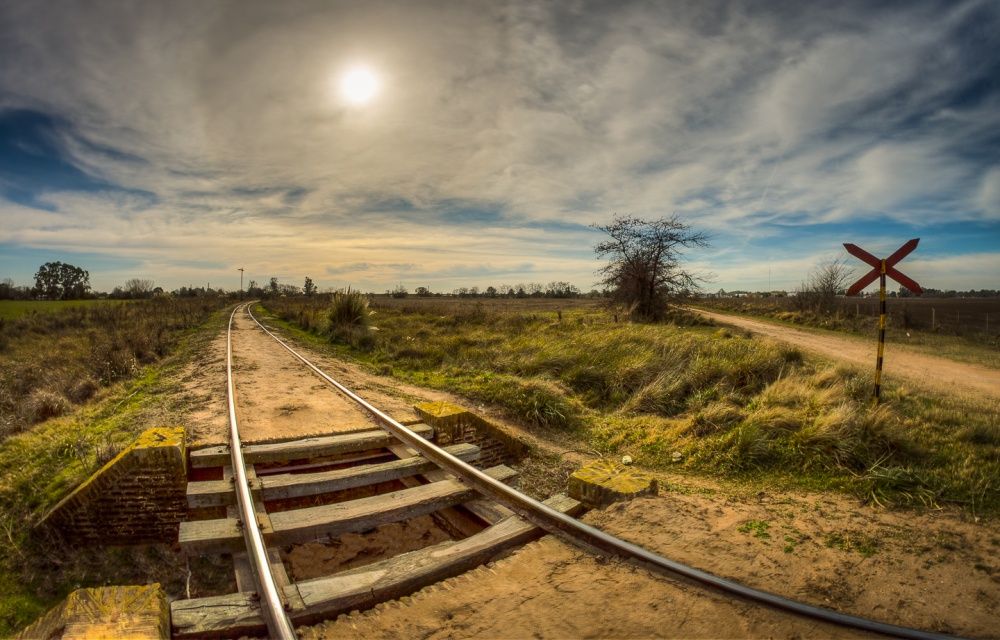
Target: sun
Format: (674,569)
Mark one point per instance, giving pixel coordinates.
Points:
(359,85)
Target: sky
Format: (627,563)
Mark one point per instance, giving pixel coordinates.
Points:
(180,141)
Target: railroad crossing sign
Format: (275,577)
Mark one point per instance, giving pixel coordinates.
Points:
(881,269)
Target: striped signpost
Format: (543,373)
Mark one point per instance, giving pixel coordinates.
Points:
(881,269)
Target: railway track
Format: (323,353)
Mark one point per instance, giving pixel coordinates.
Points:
(314,489)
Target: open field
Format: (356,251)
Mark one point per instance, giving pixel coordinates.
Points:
(700,404)
(687,395)
(10,309)
(53,361)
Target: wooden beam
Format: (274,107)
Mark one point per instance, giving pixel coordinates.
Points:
(216,493)
(361,588)
(201,537)
(304,447)
(458,525)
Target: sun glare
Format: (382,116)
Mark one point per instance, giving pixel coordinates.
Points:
(359,85)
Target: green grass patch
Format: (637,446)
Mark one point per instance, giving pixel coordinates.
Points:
(10,309)
(687,397)
(756,528)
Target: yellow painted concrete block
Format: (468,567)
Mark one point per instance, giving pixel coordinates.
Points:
(135,612)
(440,409)
(454,424)
(604,482)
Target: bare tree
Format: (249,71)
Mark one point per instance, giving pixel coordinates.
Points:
(826,281)
(644,270)
(139,287)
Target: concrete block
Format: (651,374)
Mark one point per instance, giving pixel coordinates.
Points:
(454,424)
(137,612)
(136,498)
(604,482)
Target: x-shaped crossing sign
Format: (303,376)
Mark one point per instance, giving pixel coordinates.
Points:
(886,266)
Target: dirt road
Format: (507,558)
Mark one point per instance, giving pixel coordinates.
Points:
(934,373)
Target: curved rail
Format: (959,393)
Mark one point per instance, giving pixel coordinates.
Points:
(579,533)
(278,624)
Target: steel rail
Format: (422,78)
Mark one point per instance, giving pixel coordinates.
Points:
(279,626)
(577,532)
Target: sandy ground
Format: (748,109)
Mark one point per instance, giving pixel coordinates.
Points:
(935,570)
(277,397)
(926,371)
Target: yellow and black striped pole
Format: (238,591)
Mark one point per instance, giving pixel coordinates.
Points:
(881,330)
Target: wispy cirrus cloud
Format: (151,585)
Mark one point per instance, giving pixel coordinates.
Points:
(161,132)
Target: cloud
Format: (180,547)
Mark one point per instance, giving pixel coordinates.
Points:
(218,127)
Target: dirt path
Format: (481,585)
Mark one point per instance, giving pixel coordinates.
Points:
(934,570)
(939,374)
(277,397)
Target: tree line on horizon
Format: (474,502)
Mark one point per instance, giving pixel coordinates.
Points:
(643,270)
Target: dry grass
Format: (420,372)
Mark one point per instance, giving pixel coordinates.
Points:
(692,398)
(53,362)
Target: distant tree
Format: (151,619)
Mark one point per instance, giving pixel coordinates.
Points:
(826,281)
(309,288)
(139,287)
(6,289)
(561,290)
(400,291)
(491,292)
(273,286)
(422,292)
(61,281)
(644,271)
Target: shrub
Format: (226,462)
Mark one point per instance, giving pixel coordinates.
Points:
(42,405)
(349,311)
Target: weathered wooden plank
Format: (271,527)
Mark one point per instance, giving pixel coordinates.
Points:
(486,510)
(364,587)
(299,485)
(201,537)
(229,616)
(458,525)
(304,447)
(214,493)
(319,523)
(348,458)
